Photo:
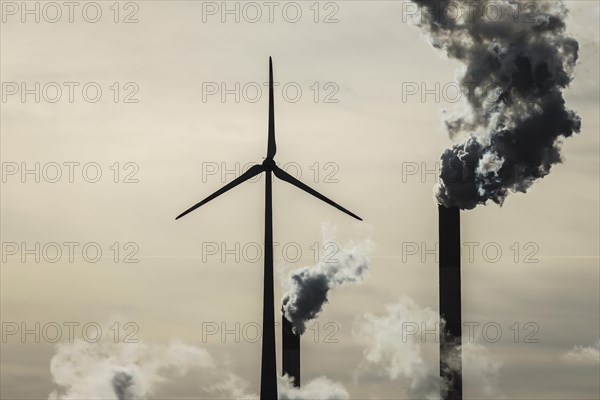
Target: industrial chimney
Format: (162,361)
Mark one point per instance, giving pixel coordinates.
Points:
(290,351)
(450,311)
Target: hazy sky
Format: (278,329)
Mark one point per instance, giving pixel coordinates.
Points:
(346,125)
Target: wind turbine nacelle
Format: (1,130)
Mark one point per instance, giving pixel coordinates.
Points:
(269,164)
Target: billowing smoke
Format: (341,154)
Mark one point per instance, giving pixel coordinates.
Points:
(308,287)
(119,371)
(398,354)
(122,384)
(518,60)
(477,366)
(320,388)
(127,371)
(232,387)
(395,344)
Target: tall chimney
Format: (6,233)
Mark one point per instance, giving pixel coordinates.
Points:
(290,351)
(450,308)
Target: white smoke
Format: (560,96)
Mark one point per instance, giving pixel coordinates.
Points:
(479,367)
(119,371)
(583,355)
(307,288)
(320,388)
(125,371)
(394,343)
(397,353)
(233,387)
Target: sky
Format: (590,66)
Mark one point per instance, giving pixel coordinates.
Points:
(139,115)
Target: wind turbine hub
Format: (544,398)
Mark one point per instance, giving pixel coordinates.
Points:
(269,164)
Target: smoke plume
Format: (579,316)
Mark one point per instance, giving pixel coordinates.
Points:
(122,384)
(308,287)
(394,343)
(397,354)
(518,60)
(119,371)
(127,371)
(320,388)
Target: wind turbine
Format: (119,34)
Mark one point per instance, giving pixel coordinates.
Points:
(268,373)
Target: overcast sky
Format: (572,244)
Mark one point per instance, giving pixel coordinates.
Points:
(347,125)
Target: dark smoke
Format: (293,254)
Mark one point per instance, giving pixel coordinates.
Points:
(308,298)
(308,287)
(518,60)
(122,384)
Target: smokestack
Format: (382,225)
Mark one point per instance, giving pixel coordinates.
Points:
(450,311)
(290,342)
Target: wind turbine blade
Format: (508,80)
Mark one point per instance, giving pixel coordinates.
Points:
(271,147)
(252,172)
(284,176)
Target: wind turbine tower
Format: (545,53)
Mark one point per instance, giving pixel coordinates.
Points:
(268,373)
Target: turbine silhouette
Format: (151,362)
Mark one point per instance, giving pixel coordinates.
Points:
(268,376)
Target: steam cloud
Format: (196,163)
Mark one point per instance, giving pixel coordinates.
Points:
(319,388)
(583,355)
(517,62)
(400,357)
(398,354)
(308,287)
(119,371)
(127,371)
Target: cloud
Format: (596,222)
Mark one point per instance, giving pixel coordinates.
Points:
(583,355)
(394,345)
(320,388)
(233,387)
(480,368)
(390,346)
(125,371)
(120,371)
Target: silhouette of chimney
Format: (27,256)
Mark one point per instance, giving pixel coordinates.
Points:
(290,351)
(450,307)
